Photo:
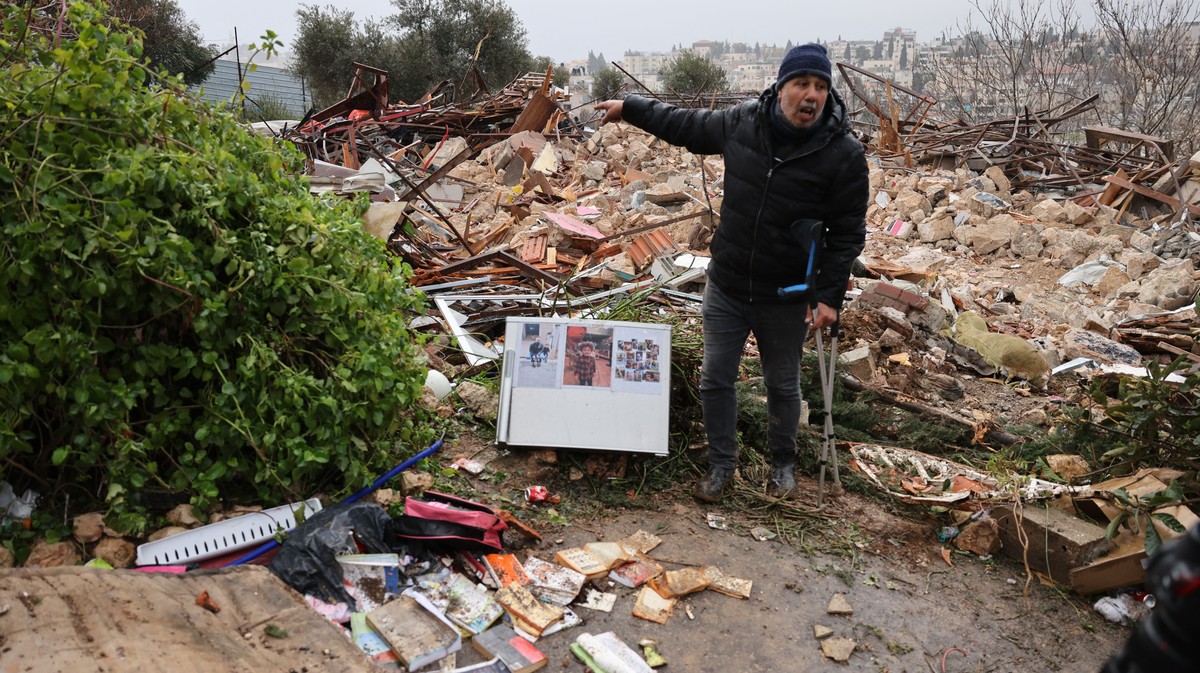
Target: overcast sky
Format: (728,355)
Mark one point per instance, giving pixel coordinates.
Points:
(567,29)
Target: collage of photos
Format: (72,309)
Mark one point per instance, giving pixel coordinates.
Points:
(637,365)
(621,359)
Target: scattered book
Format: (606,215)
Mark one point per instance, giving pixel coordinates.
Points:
(610,653)
(598,600)
(370,579)
(609,554)
(642,542)
(553,583)
(415,630)
(581,562)
(569,620)
(505,569)
(470,605)
(724,584)
(652,607)
(521,603)
(676,583)
(493,666)
(375,647)
(501,642)
(634,575)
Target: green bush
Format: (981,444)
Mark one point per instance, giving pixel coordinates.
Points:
(177,313)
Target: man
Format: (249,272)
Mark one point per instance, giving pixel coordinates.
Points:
(789,160)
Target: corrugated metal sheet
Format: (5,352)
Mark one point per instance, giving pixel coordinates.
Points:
(265,82)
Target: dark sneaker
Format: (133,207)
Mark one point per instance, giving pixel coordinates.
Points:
(712,486)
(782,483)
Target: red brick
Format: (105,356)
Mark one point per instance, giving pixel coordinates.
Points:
(888,290)
(912,299)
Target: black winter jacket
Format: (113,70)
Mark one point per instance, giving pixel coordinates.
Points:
(755,251)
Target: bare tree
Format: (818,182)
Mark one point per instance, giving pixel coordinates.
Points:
(1022,56)
(1152,59)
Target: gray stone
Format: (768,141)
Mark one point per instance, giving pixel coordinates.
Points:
(89,527)
(480,401)
(1114,279)
(1027,241)
(165,532)
(860,363)
(1049,210)
(595,170)
(1081,343)
(987,205)
(838,649)
(932,231)
(986,238)
(838,605)
(119,553)
(1170,286)
(1069,247)
(908,202)
(997,176)
(53,555)
(1138,264)
(930,318)
(1076,214)
(183,515)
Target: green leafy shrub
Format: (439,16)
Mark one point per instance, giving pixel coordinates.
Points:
(177,312)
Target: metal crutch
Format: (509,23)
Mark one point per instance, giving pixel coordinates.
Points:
(828,452)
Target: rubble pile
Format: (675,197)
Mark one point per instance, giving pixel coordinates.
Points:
(1042,274)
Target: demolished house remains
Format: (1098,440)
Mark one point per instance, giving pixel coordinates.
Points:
(996,252)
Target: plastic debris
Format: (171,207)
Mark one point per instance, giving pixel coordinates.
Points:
(1121,609)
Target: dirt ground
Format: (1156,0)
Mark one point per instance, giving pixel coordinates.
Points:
(912,612)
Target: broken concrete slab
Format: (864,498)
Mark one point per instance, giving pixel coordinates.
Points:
(1057,542)
(1171,286)
(1081,343)
(820,631)
(68,624)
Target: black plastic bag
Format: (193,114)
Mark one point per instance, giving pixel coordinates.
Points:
(307,560)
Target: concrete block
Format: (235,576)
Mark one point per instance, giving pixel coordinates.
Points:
(1053,535)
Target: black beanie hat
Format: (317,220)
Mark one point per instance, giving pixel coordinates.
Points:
(805,59)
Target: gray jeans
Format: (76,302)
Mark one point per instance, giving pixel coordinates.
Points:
(780,331)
